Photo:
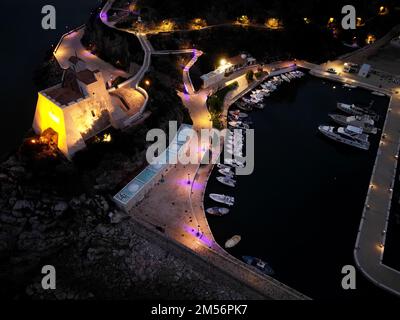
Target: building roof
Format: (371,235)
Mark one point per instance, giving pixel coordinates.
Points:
(63,95)
(86,76)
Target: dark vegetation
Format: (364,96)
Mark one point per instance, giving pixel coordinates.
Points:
(171,65)
(216,12)
(215,104)
(116,47)
(49,73)
(313,41)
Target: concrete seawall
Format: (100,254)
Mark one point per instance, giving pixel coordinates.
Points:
(214,268)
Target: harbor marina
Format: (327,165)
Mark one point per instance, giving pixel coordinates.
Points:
(301,172)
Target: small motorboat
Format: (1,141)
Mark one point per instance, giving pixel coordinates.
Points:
(226,173)
(377,93)
(259,265)
(223,166)
(350,86)
(217,211)
(221,198)
(227,181)
(234,162)
(233,242)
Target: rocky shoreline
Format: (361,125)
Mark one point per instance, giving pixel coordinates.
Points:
(94,247)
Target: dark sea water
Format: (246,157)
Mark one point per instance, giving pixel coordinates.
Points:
(23,47)
(300,210)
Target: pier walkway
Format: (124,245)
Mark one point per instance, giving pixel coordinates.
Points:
(370,244)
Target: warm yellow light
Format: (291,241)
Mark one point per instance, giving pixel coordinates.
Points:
(49,115)
(272,23)
(53,117)
(370,39)
(360,22)
(306,20)
(167,25)
(331,20)
(147,82)
(243,20)
(198,24)
(107,137)
(383,11)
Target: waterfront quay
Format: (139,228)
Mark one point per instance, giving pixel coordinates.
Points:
(370,244)
(174,208)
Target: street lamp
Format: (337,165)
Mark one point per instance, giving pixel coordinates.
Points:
(188,182)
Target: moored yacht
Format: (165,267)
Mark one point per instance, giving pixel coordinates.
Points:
(356,110)
(364,122)
(352,136)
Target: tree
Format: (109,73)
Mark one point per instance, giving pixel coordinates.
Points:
(250,76)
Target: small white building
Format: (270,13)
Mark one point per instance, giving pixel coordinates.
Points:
(364,70)
(227,67)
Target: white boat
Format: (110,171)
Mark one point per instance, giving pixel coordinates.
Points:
(217,211)
(377,93)
(255,101)
(223,166)
(246,100)
(232,242)
(364,122)
(226,173)
(350,86)
(221,198)
(349,135)
(356,110)
(285,78)
(234,163)
(227,181)
(290,76)
(269,86)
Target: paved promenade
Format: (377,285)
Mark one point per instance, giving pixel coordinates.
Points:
(71,45)
(183,219)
